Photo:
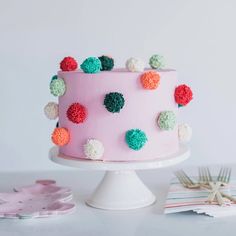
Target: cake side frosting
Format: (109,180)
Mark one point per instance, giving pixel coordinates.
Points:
(141,110)
(117,114)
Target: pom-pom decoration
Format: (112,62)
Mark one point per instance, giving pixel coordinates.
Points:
(68,64)
(157,62)
(114,102)
(150,80)
(107,63)
(54,77)
(91,65)
(185,133)
(76,113)
(51,110)
(166,120)
(60,136)
(183,95)
(135,139)
(135,65)
(93,149)
(57,87)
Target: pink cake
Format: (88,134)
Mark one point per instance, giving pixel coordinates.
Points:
(116,115)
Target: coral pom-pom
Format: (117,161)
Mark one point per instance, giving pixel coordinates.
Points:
(166,120)
(57,87)
(76,113)
(91,65)
(68,64)
(107,63)
(183,95)
(150,80)
(135,65)
(157,61)
(135,139)
(60,136)
(51,110)
(114,102)
(93,149)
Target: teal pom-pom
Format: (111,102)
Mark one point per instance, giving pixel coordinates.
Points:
(57,87)
(107,63)
(157,62)
(167,120)
(54,77)
(91,65)
(135,138)
(179,105)
(114,102)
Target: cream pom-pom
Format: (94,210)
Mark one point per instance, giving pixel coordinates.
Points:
(185,133)
(51,110)
(93,149)
(135,65)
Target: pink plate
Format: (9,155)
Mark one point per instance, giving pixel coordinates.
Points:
(43,199)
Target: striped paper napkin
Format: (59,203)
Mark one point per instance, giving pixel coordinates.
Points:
(180,199)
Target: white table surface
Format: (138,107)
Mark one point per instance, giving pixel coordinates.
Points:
(89,221)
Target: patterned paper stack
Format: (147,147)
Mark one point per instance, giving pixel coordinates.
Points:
(181,199)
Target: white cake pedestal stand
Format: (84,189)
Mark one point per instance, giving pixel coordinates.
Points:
(120,188)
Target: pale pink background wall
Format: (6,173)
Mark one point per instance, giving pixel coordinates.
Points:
(196,37)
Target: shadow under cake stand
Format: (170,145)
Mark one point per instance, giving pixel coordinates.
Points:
(120,188)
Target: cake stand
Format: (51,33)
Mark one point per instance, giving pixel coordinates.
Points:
(120,188)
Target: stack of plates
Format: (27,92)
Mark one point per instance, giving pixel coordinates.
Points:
(42,199)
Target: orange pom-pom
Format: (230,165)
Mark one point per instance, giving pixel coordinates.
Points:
(150,80)
(60,136)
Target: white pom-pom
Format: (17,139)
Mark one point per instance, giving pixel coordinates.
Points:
(93,149)
(51,110)
(185,133)
(135,65)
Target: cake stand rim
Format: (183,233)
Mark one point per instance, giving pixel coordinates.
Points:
(170,160)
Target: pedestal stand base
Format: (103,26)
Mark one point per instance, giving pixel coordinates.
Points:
(121,190)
